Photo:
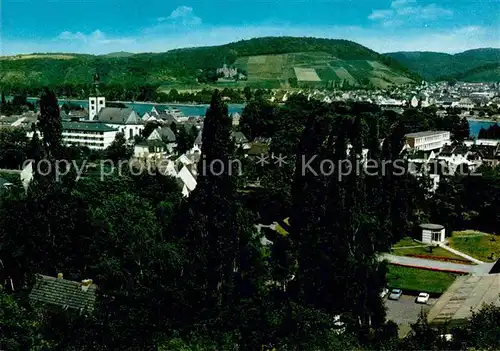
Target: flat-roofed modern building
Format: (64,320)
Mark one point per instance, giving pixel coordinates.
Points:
(94,135)
(467,294)
(90,134)
(428,140)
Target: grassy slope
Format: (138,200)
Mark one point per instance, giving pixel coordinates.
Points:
(434,65)
(180,67)
(480,247)
(405,278)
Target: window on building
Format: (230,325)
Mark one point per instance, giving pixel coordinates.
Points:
(436,236)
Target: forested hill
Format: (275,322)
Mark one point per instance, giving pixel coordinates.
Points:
(479,65)
(270,62)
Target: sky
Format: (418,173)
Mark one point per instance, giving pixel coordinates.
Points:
(104,26)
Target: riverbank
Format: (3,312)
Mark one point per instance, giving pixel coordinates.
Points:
(146,103)
(485,120)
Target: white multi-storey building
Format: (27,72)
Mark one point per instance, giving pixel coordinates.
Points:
(92,135)
(428,140)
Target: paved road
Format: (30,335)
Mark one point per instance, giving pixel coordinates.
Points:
(438,265)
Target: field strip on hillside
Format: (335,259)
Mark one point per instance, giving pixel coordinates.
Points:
(390,77)
(306,74)
(342,73)
(379,82)
(378,65)
(257,60)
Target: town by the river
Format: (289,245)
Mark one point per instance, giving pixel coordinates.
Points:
(200,110)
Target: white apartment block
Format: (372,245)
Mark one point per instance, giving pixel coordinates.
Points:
(94,135)
(429,140)
(97,136)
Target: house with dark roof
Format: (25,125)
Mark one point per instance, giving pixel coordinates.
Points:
(456,156)
(164,135)
(489,154)
(240,140)
(56,293)
(126,120)
(148,149)
(165,118)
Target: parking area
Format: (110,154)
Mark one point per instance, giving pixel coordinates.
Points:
(405,311)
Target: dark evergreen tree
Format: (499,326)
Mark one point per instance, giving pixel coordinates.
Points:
(258,119)
(50,124)
(118,150)
(184,141)
(247,92)
(213,227)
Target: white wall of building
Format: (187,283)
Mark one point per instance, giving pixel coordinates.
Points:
(92,141)
(431,142)
(428,236)
(96,104)
(129,130)
(84,138)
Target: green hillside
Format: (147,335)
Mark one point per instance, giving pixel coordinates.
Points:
(270,62)
(436,66)
(486,73)
(119,54)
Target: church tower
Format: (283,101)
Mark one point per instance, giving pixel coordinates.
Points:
(96,102)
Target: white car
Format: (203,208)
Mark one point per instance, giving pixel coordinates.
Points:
(422,298)
(395,294)
(384,292)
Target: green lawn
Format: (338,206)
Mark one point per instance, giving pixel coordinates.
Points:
(438,252)
(407,242)
(480,247)
(468,233)
(424,250)
(405,278)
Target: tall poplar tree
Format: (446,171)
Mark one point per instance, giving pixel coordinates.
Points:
(334,228)
(217,234)
(49,124)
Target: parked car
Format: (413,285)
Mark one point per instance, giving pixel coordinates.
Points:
(384,292)
(422,298)
(395,294)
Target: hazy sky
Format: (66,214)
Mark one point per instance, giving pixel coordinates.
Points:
(103,26)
